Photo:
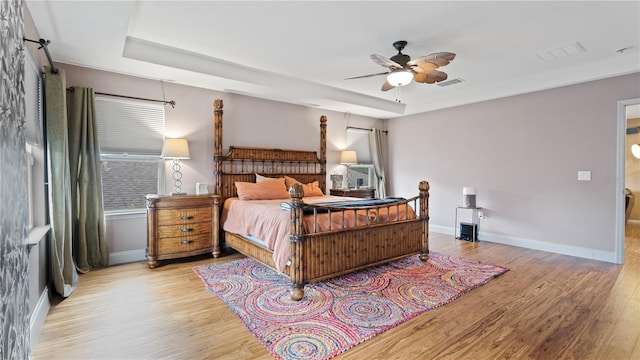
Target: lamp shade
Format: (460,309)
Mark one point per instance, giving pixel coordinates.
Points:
(175,149)
(348,157)
(400,77)
(468,190)
(635,150)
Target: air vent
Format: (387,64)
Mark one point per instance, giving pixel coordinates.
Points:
(563,51)
(450,82)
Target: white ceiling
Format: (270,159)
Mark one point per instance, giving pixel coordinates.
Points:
(300,52)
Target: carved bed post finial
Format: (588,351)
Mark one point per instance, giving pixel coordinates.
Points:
(323,138)
(217,135)
(296,237)
(323,150)
(424,216)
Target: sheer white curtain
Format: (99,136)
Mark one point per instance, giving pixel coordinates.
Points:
(375,145)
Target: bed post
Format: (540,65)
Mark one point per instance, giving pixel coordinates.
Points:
(296,238)
(217,157)
(323,151)
(424,216)
(217,136)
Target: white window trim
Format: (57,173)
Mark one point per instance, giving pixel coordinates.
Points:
(30,162)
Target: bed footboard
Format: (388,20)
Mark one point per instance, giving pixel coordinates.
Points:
(319,256)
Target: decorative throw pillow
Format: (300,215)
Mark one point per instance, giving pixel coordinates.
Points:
(264,190)
(310,189)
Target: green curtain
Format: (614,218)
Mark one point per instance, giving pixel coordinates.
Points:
(89,239)
(63,270)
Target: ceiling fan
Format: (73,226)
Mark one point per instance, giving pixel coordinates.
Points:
(402,69)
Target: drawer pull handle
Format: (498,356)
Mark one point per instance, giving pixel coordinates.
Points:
(184,230)
(186,217)
(186,242)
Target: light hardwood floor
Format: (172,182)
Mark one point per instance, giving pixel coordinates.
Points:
(547,307)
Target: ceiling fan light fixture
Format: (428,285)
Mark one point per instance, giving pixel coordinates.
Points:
(400,77)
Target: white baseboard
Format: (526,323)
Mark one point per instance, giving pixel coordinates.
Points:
(577,251)
(124,257)
(38,316)
(441,229)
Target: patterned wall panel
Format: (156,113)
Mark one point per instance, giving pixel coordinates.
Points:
(14,262)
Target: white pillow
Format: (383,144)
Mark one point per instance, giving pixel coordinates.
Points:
(260,178)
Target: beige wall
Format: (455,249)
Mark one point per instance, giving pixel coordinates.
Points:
(523,154)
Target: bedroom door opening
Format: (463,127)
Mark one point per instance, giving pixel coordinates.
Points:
(624,107)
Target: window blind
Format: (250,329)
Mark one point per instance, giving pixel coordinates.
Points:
(33,102)
(129,127)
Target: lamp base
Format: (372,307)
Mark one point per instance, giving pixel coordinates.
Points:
(178,193)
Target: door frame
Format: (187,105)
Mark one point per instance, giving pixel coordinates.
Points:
(620,176)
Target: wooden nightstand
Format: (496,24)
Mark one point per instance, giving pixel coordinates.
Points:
(359,193)
(181,226)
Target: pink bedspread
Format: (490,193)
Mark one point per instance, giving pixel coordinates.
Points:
(266,220)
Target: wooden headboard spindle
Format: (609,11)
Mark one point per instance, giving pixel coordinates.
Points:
(242,163)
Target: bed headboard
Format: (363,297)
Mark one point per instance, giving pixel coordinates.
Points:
(242,163)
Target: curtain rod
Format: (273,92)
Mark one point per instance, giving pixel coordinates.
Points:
(172,102)
(43,45)
(359,128)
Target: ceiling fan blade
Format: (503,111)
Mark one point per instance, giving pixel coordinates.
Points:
(383,61)
(449,56)
(439,59)
(387,86)
(366,76)
(430,77)
(420,65)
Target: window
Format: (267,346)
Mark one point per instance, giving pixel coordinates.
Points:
(358,140)
(33,130)
(127,179)
(131,135)
(30,184)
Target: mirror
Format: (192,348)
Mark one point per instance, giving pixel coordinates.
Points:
(362,176)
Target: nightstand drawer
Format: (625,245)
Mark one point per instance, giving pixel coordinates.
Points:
(184,216)
(187,229)
(183,244)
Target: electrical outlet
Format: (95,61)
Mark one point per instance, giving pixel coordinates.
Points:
(481,215)
(584,175)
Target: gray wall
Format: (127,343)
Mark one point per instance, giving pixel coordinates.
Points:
(523,154)
(39,302)
(247,121)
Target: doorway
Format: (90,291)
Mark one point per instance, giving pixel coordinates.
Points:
(627,109)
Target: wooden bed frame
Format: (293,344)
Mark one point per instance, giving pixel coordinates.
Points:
(320,255)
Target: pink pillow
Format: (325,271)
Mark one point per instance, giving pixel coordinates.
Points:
(264,190)
(310,189)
